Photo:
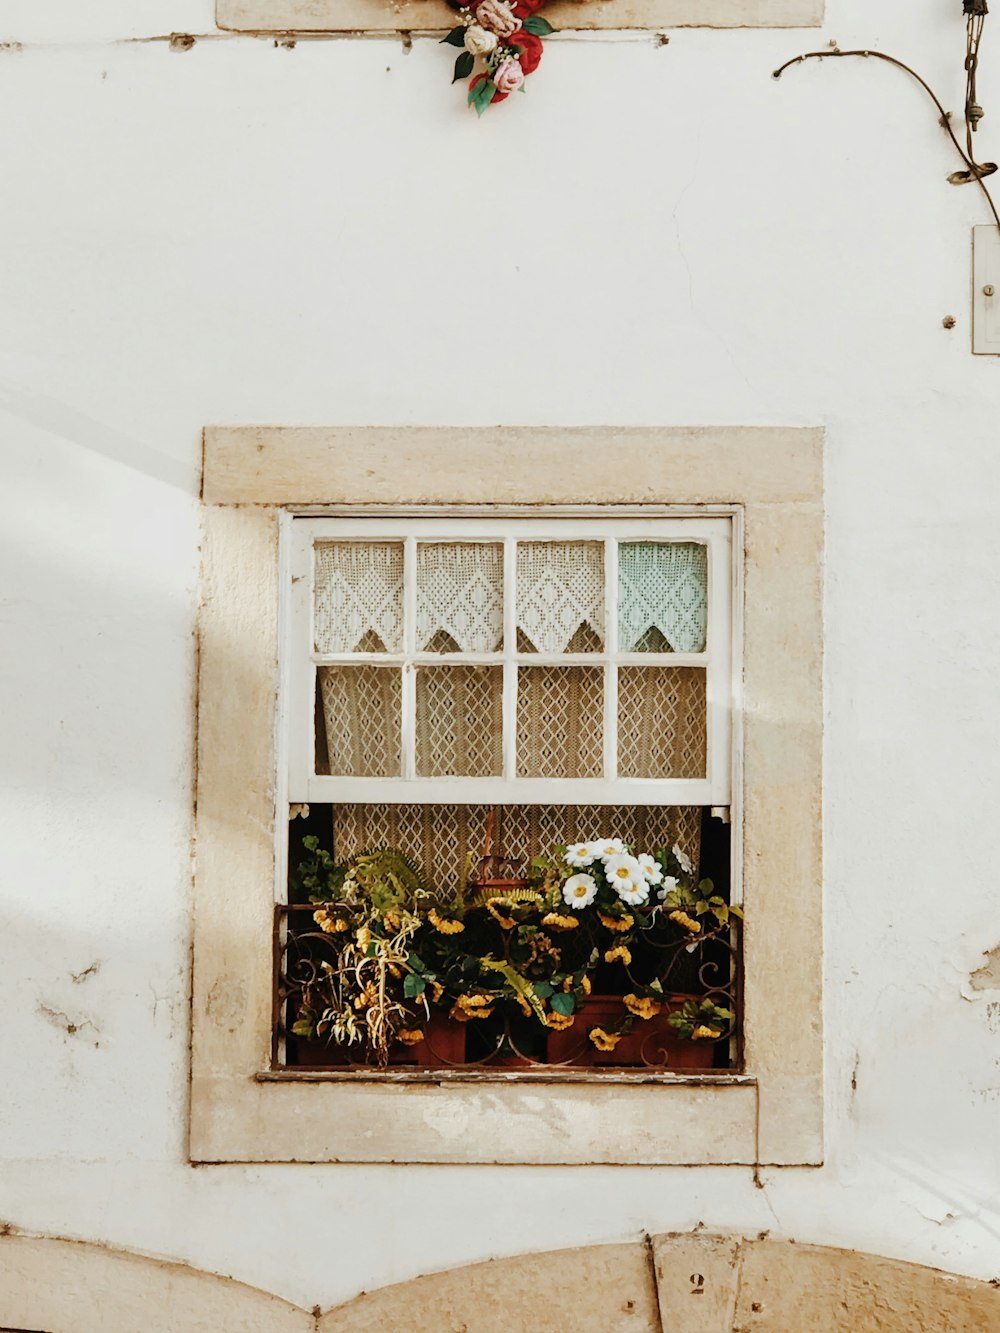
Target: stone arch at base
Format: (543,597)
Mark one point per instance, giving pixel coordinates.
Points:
(690,1283)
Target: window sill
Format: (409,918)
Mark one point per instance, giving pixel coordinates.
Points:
(435,16)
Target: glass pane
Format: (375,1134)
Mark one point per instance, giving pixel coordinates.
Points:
(459,721)
(560,722)
(560,597)
(661,722)
(359,709)
(459,597)
(359,597)
(662,597)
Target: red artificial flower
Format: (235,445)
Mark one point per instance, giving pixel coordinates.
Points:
(525,8)
(530,49)
(497,96)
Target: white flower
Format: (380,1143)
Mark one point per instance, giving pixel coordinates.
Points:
(650,869)
(625,874)
(580,890)
(668,885)
(478,41)
(683,859)
(605,847)
(580,854)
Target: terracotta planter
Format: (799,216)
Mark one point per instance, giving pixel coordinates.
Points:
(663,1047)
(443,1047)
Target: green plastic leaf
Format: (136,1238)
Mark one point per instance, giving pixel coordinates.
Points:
(537,25)
(482,95)
(303,1028)
(413,985)
(543,989)
(563,1003)
(736,911)
(721,914)
(463,66)
(455,38)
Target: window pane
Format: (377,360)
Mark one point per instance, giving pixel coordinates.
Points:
(662,597)
(661,722)
(359,708)
(359,597)
(459,721)
(560,722)
(459,597)
(560,597)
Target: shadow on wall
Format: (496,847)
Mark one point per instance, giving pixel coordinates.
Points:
(692,1283)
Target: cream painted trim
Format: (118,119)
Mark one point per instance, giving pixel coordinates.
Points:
(775,1116)
(435,15)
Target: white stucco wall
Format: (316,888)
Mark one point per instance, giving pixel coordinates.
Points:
(654,234)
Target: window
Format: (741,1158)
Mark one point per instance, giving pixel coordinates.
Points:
(434,15)
(765,487)
(524,683)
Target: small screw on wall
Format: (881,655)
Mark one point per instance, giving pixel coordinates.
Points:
(989,290)
(948,322)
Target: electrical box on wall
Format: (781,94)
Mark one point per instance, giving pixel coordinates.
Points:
(986,291)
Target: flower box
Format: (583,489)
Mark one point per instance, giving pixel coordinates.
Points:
(651,1044)
(443,1046)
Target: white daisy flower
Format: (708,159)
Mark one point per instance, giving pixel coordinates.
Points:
(683,859)
(625,874)
(607,847)
(635,895)
(668,885)
(650,869)
(580,854)
(580,890)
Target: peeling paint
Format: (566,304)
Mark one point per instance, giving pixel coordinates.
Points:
(987,977)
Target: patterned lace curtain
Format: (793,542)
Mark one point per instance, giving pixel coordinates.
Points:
(460,597)
(662,596)
(442,837)
(560,596)
(359,597)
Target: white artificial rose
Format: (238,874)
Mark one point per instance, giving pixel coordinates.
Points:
(478,41)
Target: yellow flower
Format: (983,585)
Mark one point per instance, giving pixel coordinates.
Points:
(619,951)
(559,1021)
(493,908)
(524,1005)
(436,990)
(444,924)
(643,1007)
(410,1036)
(604,1041)
(701,1031)
(364,938)
(585,985)
(556,922)
(687,922)
(392,919)
(367,997)
(625,922)
(467,1007)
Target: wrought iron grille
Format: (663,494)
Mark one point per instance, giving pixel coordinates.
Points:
(689,971)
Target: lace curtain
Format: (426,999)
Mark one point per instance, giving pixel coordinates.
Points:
(662,597)
(359,597)
(460,597)
(441,837)
(560,596)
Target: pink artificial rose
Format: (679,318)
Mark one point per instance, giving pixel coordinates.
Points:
(497,17)
(508,76)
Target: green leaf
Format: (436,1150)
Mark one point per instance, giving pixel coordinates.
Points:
(537,25)
(416,963)
(463,66)
(721,914)
(563,1003)
(302,1028)
(543,989)
(736,911)
(482,95)
(413,985)
(455,38)
(701,906)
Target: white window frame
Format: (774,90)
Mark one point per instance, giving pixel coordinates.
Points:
(242,1109)
(302,660)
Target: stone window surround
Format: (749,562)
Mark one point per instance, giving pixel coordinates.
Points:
(241,1111)
(566,15)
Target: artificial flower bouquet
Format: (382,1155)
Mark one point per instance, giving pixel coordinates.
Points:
(504,40)
(387,957)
